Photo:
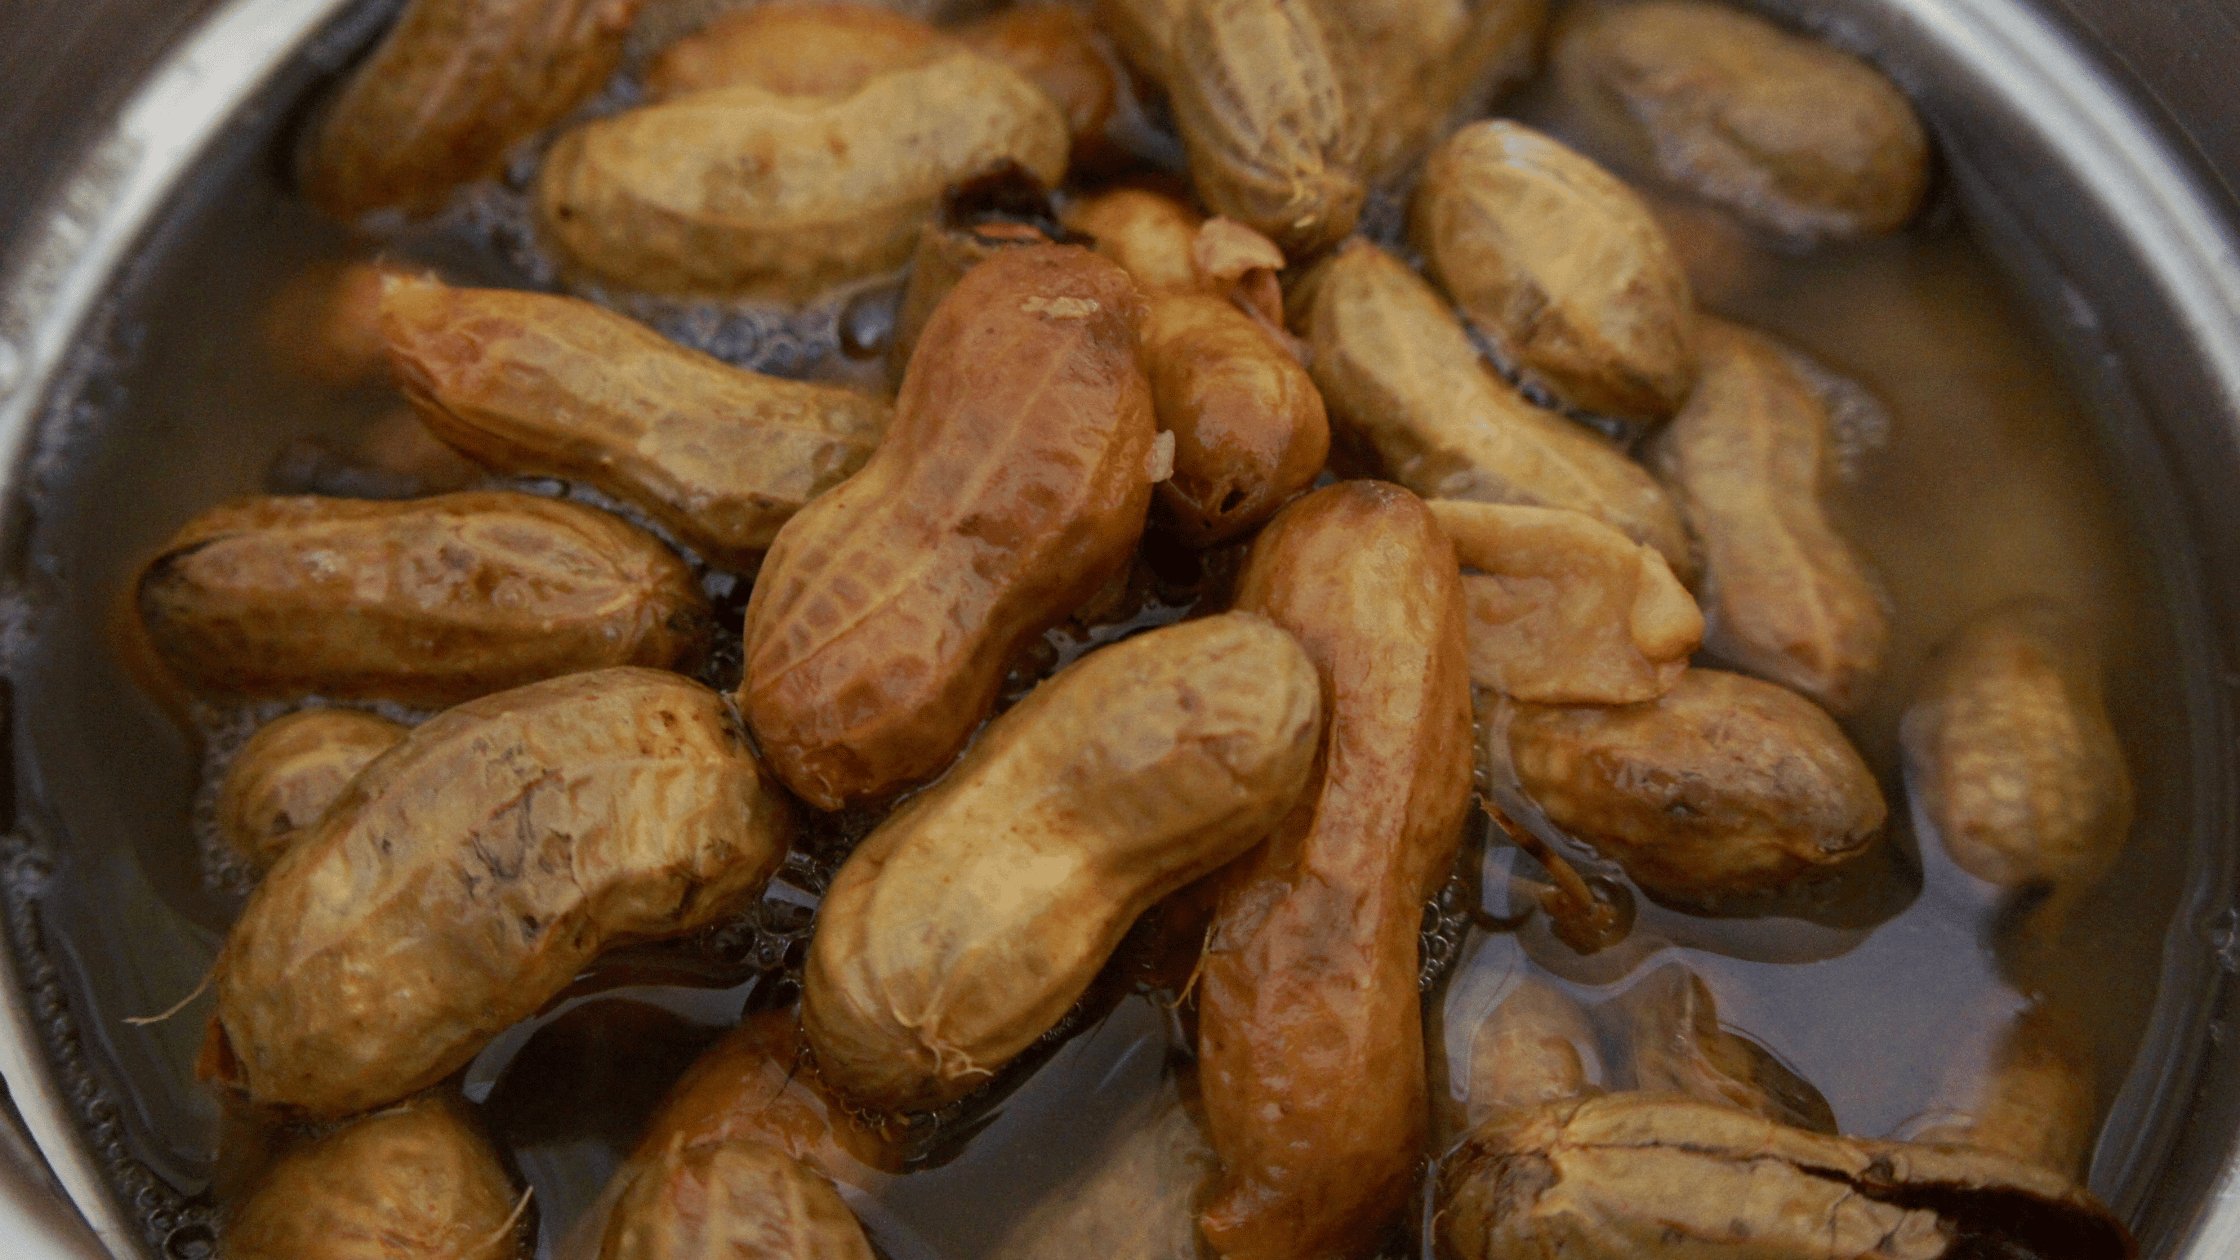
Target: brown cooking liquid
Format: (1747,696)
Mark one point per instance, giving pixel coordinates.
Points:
(1986,484)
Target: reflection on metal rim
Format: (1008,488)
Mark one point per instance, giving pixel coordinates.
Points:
(69,262)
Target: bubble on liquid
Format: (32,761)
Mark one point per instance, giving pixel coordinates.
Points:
(2224,940)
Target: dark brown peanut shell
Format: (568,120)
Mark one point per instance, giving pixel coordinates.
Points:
(1784,596)
(732,1200)
(417,1181)
(295,766)
(966,925)
(832,188)
(1561,267)
(2010,753)
(1726,788)
(1136,1201)
(794,48)
(1399,374)
(1805,141)
(1310,972)
(1678,1046)
(1625,1176)
(1416,66)
(1002,209)
(530,383)
(1273,141)
(1011,486)
(466,876)
(1249,427)
(449,91)
(1565,609)
(426,602)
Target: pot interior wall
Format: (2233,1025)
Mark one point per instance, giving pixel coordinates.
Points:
(173,401)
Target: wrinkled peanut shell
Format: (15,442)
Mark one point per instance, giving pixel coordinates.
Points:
(529,383)
(295,766)
(965,926)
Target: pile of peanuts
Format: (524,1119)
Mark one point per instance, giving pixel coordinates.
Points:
(1492,488)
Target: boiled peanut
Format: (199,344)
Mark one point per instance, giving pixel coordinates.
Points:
(1561,267)
(794,48)
(830,188)
(466,876)
(1528,1052)
(733,1200)
(1623,1176)
(1784,597)
(1566,610)
(1399,374)
(1805,141)
(2035,1101)
(1679,1046)
(426,602)
(393,457)
(1135,1202)
(295,766)
(1724,788)
(759,1084)
(1011,485)
(1273,142)
(450,90)
(1149,233)
(326,323)
(417,1181)
(1060,49)
(553,386)
(1248,423)
(1418,65)
(976,218)
(2010,753)
(964,927)
(1144,30)
(1310,968)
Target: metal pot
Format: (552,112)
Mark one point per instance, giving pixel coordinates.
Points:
(2098,165)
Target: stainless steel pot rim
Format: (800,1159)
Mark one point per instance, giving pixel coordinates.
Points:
(68,263)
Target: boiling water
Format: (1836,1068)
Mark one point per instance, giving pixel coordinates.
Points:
(1988,484)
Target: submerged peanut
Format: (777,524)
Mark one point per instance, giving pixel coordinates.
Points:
(1310,974)
(450,90)
(1418,65)
(466,876)
(417,1181)
(2034,1100)
(1272,140)
(1399,373)
(1135,1201)
(536,384)
(295,766)
(965,926)
(794,48)
(1679,1046)
(2009,750)
(1623,1176)
(1724,788)
(1536,1047)
(1784,596)
(1808,142)
(744,192)
(426,602)
(734,1200)
(1012,485)
(1561,267)
(1566,610)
